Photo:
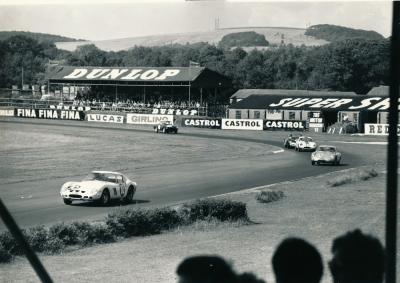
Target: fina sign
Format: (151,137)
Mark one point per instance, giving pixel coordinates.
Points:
(105,118)
(284,125)
(147,119)
(242,124)
(49,114)
(127,74)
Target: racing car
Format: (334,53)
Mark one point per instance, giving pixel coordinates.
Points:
(326,154)
(166,127)
(305,143)
(101,187)
(290,141)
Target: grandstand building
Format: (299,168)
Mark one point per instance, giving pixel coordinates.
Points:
(316,108)
(189,86)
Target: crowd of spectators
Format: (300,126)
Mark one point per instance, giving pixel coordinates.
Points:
(356,258)
(132,105)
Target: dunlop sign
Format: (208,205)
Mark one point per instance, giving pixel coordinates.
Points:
(49,114)
(105,118)
(147,119)
(378,129)
(242,124)
(128,74)
(284,125)
(201,123)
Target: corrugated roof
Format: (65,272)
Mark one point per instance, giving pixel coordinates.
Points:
(244,93)
(379,90)
(130,74)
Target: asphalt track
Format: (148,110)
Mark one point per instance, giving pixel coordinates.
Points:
(195,180)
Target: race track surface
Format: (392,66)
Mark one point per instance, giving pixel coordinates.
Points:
(38,156)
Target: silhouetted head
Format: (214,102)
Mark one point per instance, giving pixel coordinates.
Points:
(357,258)
(205,269)
(297,261)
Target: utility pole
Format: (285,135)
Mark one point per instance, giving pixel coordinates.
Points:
(22,78)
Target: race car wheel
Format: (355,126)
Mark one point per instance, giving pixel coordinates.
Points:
(312,163)
(129,195)
(164,131)
(337,162)
(105,197)
(67,201)
(156,130)
(176,131)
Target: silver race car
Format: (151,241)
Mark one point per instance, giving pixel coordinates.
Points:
(166,127)
(326,154)
(305,143)
(99,186)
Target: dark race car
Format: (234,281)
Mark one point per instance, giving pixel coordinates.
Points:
(166,127)
(290,141)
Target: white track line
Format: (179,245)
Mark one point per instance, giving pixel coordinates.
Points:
(278,151)
(362,142)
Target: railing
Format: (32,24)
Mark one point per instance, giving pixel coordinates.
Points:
(144,108)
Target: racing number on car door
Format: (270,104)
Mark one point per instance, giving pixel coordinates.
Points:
(122,186)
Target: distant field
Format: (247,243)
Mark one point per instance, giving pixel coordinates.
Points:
(293,36)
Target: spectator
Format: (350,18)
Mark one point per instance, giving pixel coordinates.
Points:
(249,278)
(205,269)
(357,258)
(297,261)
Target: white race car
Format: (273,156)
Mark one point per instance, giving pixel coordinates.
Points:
(326,154)
(305,143)
(100,186)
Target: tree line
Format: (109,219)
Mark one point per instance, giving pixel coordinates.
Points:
(347,65)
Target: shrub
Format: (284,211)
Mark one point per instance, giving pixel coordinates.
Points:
(96,234)
(352,176)
(269,196)
(132,222)
(5,255)
(37,238)
(223,210)
(9,244)
(67,233)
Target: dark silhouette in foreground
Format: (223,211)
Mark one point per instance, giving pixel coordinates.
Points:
(211,269)
(297,261)
(357,258)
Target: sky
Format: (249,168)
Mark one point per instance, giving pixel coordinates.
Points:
(105,19)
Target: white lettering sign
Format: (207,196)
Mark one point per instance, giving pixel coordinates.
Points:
(147,119)
(122,74)
(6,112)
(105,118)
(242,124)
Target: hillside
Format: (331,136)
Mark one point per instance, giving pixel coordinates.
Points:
(334,33)
(273,35)
(41,37)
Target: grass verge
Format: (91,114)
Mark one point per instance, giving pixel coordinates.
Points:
(124,223)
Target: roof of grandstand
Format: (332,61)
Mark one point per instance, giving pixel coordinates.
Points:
(193,76)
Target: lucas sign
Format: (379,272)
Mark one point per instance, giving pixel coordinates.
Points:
(242,124)
(105,118)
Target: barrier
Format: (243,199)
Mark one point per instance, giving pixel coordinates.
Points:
(105,118)
(201,123)
(242,124)
(49,114)
(147,119)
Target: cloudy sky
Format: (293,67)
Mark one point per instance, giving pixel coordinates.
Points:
(103,19)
